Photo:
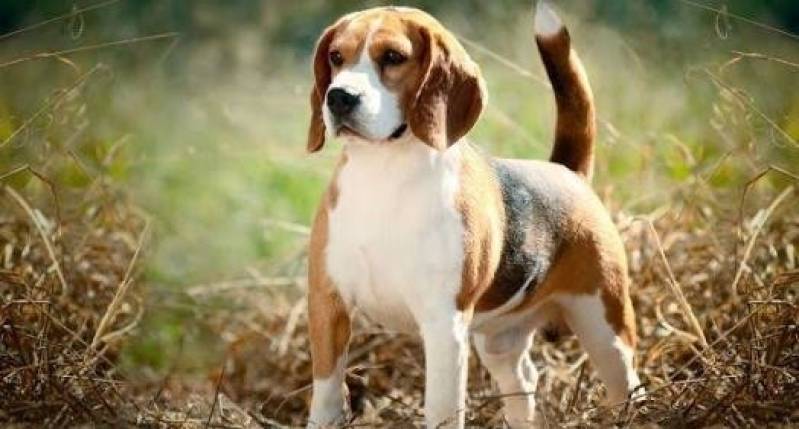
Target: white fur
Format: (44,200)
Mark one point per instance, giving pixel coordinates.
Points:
(506,355)
(446,352)
(395,234)
(395,252)
(503,340)
(329,395)
(378,114)
(611,357)
(547,22)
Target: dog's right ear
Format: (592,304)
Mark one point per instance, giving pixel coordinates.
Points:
(321,71)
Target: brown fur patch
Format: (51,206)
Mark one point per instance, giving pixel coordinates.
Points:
(576,125)
(591,260)
(450,95)
(480,204)
(328,318)
(322,78)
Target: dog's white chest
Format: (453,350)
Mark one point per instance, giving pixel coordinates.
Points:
(395,245)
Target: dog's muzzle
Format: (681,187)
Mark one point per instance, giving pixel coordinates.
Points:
(342,102)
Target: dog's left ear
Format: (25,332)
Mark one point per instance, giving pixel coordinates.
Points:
(450,95)
(321,71)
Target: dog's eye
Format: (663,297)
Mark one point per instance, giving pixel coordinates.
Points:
(392,58)
(336,59)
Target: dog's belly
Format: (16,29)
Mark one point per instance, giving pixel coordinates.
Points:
(395,245)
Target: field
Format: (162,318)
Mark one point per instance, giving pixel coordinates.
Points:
(155,199)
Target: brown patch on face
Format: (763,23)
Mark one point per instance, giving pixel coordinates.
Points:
(328,317)
(480,205)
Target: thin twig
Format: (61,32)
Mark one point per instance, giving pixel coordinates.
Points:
(50,186)
(52,102)
(288,226)
(741,18)
(758,56)
(675,287)
(227,286)
(43,234)
(291,325)
(121,291)
(111,44)
(505,61)
(56,19)
(216,392)
(15,170)
(758,227)
(751,182)
(735,92)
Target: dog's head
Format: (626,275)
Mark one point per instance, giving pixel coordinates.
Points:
(386,72)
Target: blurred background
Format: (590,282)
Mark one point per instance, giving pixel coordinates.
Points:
(195,113)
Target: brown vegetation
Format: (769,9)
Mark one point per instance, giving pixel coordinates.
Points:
(716,307)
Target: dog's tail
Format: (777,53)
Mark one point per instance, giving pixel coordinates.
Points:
(576,128)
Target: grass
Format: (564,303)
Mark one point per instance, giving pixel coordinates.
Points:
(201,137)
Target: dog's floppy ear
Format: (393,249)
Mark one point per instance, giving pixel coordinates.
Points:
(321,71)
(450,95)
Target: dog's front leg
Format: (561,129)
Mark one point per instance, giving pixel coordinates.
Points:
(446,350)
(329,325)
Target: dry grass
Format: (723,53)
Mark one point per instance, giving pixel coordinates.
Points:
(746,375)
(732,283)
(64,311)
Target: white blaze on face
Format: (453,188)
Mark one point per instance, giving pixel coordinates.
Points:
(378,114)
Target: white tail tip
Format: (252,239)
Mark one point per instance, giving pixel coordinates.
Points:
(547,22)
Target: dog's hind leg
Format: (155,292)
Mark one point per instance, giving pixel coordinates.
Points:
(506,356)
(610,344)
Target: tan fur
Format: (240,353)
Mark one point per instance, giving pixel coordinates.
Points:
(591,260)
(480,205)
(322,79)
(329,321)
(575,129)
(451,94)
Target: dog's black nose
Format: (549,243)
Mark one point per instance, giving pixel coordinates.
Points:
(341,102)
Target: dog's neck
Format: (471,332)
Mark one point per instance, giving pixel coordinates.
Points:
(404,157)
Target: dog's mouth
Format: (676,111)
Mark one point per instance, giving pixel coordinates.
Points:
(347,130)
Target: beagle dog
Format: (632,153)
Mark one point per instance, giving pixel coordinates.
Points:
(423,233)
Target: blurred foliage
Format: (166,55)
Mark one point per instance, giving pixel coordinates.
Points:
(205,129)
